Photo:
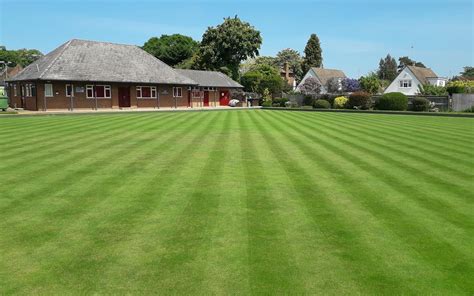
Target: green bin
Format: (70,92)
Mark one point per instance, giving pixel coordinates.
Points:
(3,103)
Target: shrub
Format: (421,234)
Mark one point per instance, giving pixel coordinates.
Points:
(432,90)
(308,101)
(340,102)
(393,101)
(328,97)
(470,110)
(460,87)
(267,104)
(279,102)
(321,104)
(350,85)
(420,104)
(359,100)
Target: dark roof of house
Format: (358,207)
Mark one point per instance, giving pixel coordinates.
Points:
(210,78)
(81,60)
(422,74)
(9,72)
(325,74)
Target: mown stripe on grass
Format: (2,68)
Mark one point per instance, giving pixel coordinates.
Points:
(433,250)
(271,268)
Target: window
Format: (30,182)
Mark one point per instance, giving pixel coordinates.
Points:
(69,90)
(146,92)
(14,90)
(177,92)
(30,90)
(405,83)
(98,91)
(48,90)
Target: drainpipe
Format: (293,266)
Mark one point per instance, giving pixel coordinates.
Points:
(95,96)
(36,94)
(158,96)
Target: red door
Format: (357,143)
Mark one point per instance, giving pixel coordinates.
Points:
(206,99)
(224,98)
(124,96)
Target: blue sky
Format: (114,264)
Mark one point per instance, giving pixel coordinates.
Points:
(354,34)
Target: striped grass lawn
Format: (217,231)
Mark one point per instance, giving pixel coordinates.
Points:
(236,202)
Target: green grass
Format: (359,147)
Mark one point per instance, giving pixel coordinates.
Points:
(236,202)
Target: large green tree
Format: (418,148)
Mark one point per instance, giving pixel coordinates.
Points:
(387,68)
(313,54)
(263,77)
(171,49)
(226,45)
(293,59)
(22,57)
(370,83)
(406,61)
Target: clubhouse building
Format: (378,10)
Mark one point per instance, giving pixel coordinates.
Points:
(91,75)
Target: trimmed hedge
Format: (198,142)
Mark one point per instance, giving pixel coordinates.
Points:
(420,104)
(279,102)
(359,100)
(393,101)
(267,104)
(321,104)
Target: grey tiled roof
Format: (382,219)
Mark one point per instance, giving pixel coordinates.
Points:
(325,74)
(210,78)
(81,60)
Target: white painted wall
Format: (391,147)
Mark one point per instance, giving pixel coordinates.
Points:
(404,75)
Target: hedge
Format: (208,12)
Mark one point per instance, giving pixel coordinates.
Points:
(393,101)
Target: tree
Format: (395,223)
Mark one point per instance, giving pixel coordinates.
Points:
(293,59)
(312,53)
(350,85)
(171,49)
(22,57)
(310,87)
(227,44)
(387,68)
(254,63)
(406,61)
(263,77)
(333,85)
(370,83)
(468,72)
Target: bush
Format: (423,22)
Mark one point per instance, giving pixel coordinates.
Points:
(393,101)
(308,101)
(470,110)
(267,104)
(340,102)
(321,104)
(328,97)
(460,87)
(359,100)
(279,102)
(420,104)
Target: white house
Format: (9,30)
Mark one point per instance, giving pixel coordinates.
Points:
(411,78)
(323,76)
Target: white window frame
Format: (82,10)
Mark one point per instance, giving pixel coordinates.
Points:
(177,89)
(72,90)
(153,92)
(28,92)
(15,93)
(46,94)
(406,83)
(94,92)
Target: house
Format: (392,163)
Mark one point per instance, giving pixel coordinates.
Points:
(89,74)
(213,88)
(287,74)
(323,76)
(411,78)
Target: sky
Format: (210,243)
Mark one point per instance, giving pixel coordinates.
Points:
(354,34)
